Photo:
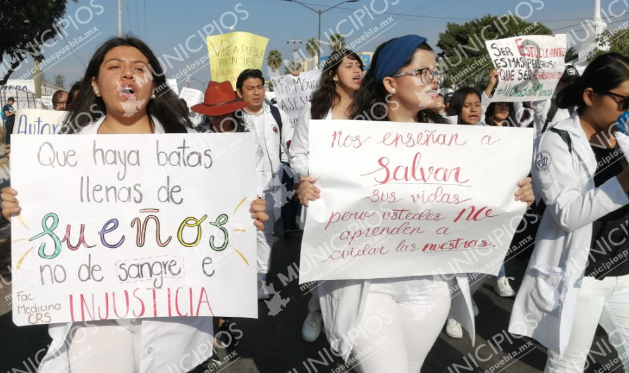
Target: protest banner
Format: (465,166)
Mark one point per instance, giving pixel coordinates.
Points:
(530,66)
(133,226)
(232,53)
(293,92)
(37,122)
(408,199)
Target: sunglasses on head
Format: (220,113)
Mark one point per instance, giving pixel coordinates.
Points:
(624,103)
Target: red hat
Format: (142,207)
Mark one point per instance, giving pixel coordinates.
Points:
(219,99)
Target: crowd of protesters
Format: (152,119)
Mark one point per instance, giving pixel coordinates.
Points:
(578,186)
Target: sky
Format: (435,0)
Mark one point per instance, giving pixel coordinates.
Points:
(166,25)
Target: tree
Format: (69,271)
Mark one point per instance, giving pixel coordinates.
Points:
(571,54)
(26,25)
(608,42)
(60,81)
(337,42)
(313,46)
(292,68)
(464,55)
(274,60)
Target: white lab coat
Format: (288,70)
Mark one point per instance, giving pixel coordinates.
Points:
(165,341)
(546,302)
(270,178)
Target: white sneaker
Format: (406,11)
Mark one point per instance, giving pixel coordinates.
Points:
(453,329)
(312,326)
(503,288)
(263,293)
(474,308)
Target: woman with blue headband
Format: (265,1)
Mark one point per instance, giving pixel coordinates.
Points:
(390,325)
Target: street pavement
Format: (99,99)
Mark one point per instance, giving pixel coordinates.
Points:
(273,344)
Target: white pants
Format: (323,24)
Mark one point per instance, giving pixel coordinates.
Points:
(401,322)
(604,302)
(105,347)
(265,237)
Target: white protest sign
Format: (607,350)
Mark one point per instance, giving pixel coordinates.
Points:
(411,199)
(47,101)
(133,226)
(293,92)
(530,66)
(192,97)
(37,122)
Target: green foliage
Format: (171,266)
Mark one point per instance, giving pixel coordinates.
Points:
(464,55)
(337,42)
(274,60)
(608,42)
(26,25)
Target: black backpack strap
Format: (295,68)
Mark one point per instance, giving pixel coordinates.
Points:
(276,115)
(551,115)
(565,136)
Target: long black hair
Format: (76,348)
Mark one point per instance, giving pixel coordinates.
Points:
(605,73)
(511,119)
(87,107)
(458,100)
(326,97)
(369,100)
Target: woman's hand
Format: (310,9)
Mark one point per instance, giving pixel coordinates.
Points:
(306,191)
(525,191)
(10,204)
(493,80)
(7,150)
(257,210)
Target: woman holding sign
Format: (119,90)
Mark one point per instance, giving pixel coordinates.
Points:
(408,312)
(341,77)
(117,97)
(578,274)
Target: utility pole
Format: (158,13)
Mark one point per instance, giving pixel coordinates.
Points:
(119,18)
(295,49)
(37,79)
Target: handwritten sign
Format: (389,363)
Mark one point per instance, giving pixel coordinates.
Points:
(408,199)
(37,122)
(293,92)
(133,226)
(192,97)
(232,53)
(530,66)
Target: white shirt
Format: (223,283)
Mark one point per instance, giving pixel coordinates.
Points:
(165,341)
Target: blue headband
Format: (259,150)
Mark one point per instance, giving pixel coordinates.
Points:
(395,54)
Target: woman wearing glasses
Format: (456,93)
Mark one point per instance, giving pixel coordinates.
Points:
(578,275)
(390,325)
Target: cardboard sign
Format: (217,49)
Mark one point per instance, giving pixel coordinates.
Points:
(38,122)
(232,53)
(530,66)
(411,199)
(133,226)
(293,92)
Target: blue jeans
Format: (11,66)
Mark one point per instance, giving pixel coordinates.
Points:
(502,272)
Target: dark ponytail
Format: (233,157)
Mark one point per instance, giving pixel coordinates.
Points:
(605,73)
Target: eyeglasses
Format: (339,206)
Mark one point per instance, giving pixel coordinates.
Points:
(425,74)
(624,104)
